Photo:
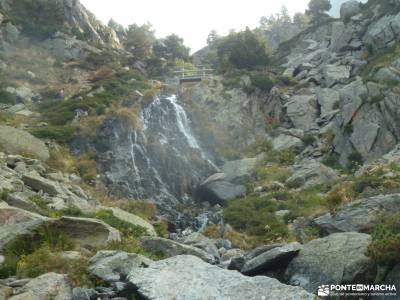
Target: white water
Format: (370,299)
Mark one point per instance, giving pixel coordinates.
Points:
(183,122)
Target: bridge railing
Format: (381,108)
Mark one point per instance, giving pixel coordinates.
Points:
(199,72)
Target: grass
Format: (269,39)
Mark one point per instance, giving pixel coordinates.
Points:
(385,245)
(275,172)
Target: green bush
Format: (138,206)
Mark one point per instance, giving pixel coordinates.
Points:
(385,245)
(7,98)
(262,81)
(255,216)
(125,228)
(63,134)
(355,160)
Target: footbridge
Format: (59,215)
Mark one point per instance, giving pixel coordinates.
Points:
(196,74)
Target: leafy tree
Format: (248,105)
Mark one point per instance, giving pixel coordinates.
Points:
(212,37)
(171,48)
(140,40)
(301,20)
(317,9)
(242,50)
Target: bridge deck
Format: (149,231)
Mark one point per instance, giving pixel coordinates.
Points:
(193,75)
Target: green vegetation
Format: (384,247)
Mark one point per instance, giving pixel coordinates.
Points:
(255,216)
(317,10)
(23,246)
(47,19)
(7,98)
(385,246)
(125,228)
(243,50)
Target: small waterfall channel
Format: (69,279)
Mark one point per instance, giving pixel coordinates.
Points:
(161,160)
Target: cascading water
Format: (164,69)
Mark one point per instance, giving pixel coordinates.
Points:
(160,160)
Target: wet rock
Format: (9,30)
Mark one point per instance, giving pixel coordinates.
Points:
(171,248)
(338,258)
(191,278)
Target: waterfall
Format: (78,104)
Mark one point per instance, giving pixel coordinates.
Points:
(183,122)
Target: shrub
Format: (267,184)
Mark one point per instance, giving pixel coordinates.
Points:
(273,173)
(385,245)
(308,139)
(7,98)
(63,134)
(146,210)
(262,81)
(87,168)
(334,199)
(355,160)
(255,216)
(45,260)
(125,228)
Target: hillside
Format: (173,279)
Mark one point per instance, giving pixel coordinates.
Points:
(274,176)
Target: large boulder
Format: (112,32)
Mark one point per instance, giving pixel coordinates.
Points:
(334,74)
(114,266)
(16,141)
(393,278)
(359,216)
(310,173)
(132,219)
(216,189)
(240,171)
(272,258)
(198,240)
(47,286)
(287,142)
(302,111)
(338,258)
(86,232)
(188,277)
(349,9)
(171,248)
(39,183)
(15,221)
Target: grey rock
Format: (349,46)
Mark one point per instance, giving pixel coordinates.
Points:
(338,258)
(171,248)
(328,99)
(16,141)
(334,74)
(287,142)
(383,32)
(311,172)
(272,258)
(200,241)
(393,278)
(50,285)
(360,216)
(83,294)
(86,232)
(113,266)
(15,221)
(191,278)
(302,111)
(132,219)
(389,75)
(240,171)
(38,183)
(217,190)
